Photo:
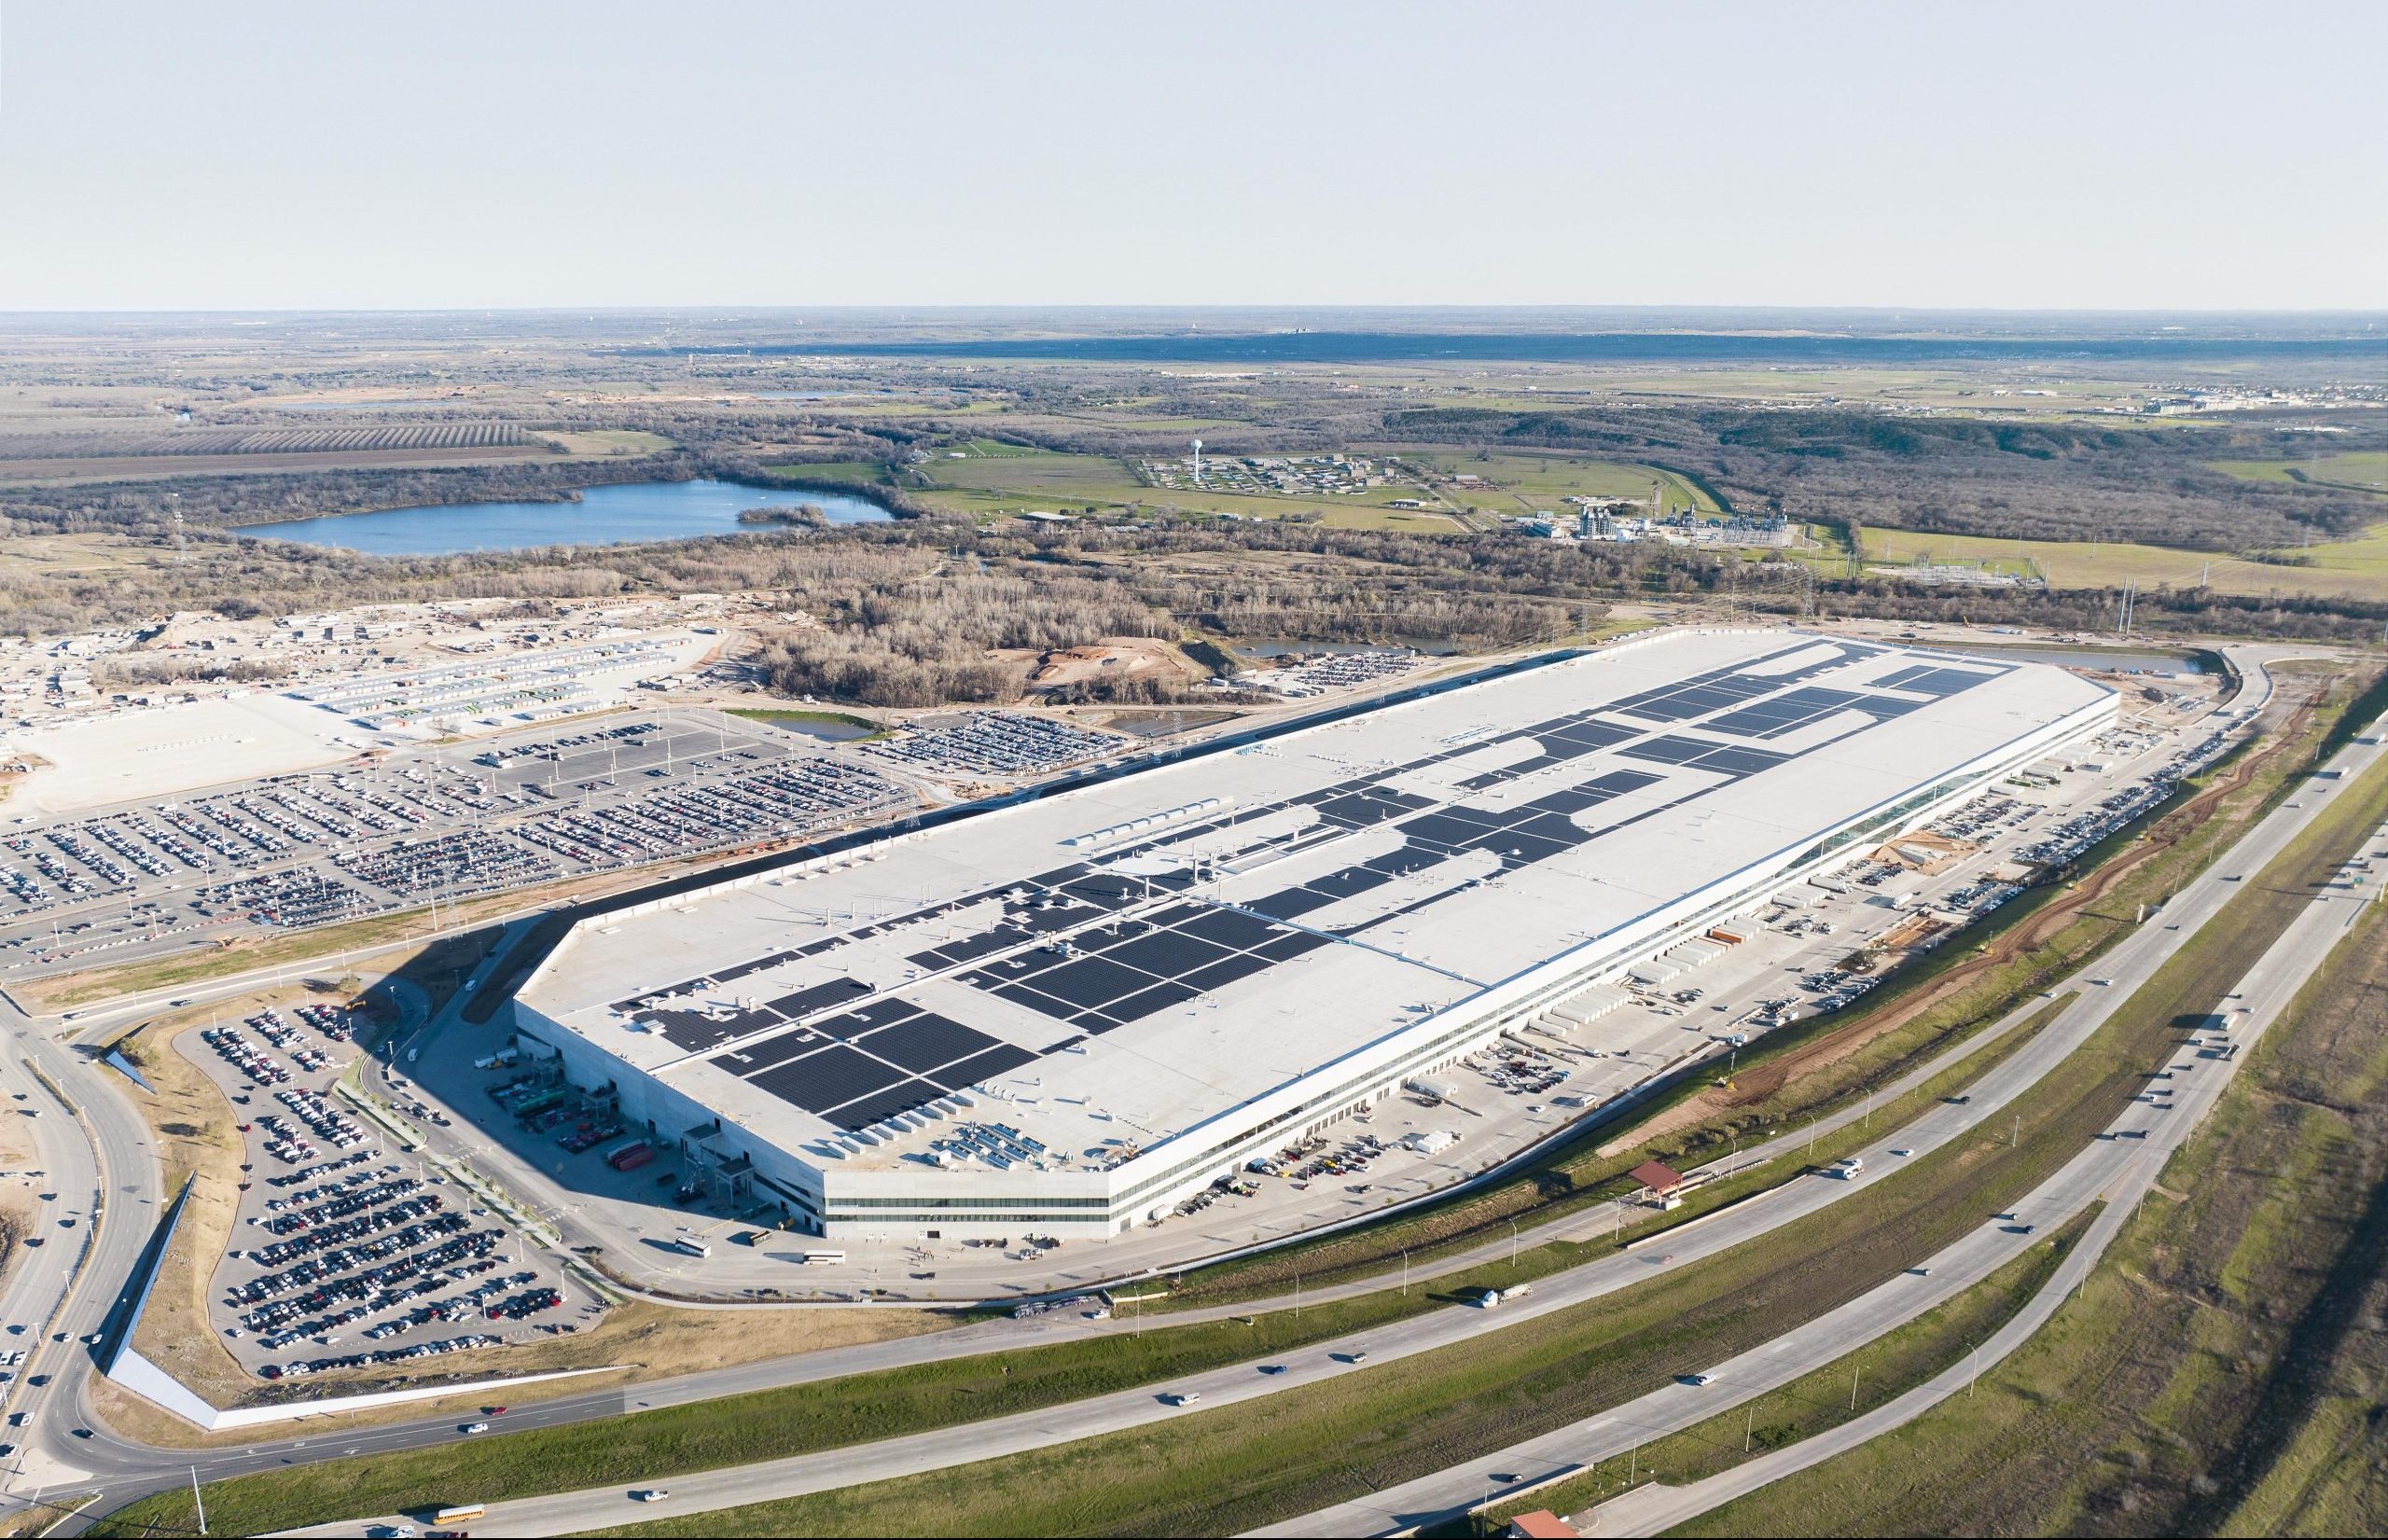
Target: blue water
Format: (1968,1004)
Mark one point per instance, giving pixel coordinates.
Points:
(604,516)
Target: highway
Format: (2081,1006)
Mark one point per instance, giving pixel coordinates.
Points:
(2127,967)
(2115,1169)
(2263,994)
(123,1469)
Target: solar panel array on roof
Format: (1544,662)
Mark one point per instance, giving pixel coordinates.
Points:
(1939,683)
(867,1065)
(1064,945)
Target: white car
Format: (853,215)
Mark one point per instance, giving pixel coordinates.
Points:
(651,1494)
(1699,1379)
(474,1427)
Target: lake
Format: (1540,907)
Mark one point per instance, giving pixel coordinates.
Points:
(604,516)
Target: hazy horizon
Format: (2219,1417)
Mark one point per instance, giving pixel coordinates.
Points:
(286,158)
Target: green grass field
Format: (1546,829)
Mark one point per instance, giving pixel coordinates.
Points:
(1515,482)
(1882,1370)
(2191,1341)
(990,478)
(994,479)
(1262,1461)
(2344,569)
(1608,1348)
(611,441)
(2362,470)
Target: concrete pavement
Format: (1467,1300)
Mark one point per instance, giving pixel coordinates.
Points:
(2263,994)
(2118,1167)
(2126,966)
(125,1468)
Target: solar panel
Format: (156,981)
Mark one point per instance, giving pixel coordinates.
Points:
(1167,953)
(1088,982)
(829,1079)
(1143,1003)
(1000,1060)
(903,1097)
(1230,929)
(924,1041)
(804,1001)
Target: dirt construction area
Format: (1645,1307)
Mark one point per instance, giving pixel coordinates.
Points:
(1107,662)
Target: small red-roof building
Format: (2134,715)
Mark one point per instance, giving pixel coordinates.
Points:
(1662,1181)
(1541,1524)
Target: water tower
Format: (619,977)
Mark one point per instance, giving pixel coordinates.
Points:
(1198,462)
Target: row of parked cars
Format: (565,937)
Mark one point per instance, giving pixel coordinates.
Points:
(379,1355)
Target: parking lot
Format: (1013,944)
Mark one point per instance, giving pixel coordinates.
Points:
(995,745)
(663,1214)
(435,825)
(347,1251)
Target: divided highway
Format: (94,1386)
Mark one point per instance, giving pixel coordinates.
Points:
(2101,1168)
(119,1469)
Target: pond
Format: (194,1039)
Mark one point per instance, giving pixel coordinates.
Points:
(828,725)
(604,516)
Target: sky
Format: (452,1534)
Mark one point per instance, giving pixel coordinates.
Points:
(437,155)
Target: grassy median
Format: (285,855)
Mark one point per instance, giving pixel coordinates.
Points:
(2220,1373)
(771,1424)
(1258,1463)
(1246,1464)
(1882,1370)
(2059,934)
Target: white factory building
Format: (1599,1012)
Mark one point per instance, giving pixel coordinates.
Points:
(1066,1014)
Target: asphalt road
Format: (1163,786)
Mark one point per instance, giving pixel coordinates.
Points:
(2119,1167)
(122,1469)
(2263,994)
(2126,966)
